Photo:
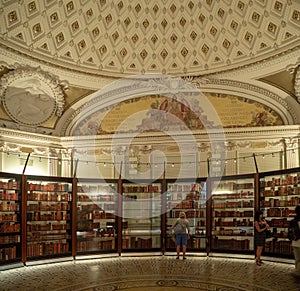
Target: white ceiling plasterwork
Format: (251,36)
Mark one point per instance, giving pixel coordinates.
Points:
(221,46)
(127,37)
(31,96)
(297,84)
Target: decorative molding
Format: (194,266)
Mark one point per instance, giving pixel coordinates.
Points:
(259,66)
(15,59)
(183,40)
(297,84)
(31,96)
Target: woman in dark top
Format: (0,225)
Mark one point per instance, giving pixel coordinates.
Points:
(260,225)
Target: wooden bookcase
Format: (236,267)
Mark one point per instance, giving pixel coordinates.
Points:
(96,224)
(189,196)
(10,219)
(54,217)
(141,215)
(48,223)
(279,195)
(232,208)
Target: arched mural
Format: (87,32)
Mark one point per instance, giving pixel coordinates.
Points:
(151,114)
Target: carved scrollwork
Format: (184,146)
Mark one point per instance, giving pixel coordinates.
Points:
(297,84)
(31,96)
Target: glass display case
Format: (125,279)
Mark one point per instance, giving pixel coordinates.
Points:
(96,227)
(141,217)
(232,201)
(48,217)
(10,218)
(190,197)
(279,195)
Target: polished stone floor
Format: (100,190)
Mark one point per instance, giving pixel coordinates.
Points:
(152,273)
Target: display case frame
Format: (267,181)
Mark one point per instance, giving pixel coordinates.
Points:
(141,215)
(99,224)
(279,194)
(11,208)
(48,225)
(285,183)
(232,214)
(189,196)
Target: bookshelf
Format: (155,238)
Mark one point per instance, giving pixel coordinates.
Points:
(54,217)
(96,226)
(279,195)
(141,217)
(10,219)
(48,217)
(190,197)
(232,202)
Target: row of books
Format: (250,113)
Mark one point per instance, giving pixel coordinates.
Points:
(280,212)
(195,187)
(42,196)
(55,226)
(285,180)
(56,216)
(95,198)
(10,184)
(281,191)
(234,222)
(233,186)
(8,206)
(279,247)
(11,217)
(141,189)
(8,195)
(234,204)
(230,244)
(189,213)
(47,248)
(49,187)
(54,236)
(8,253)
(238,195)
(95,245)
(137,243)
(10,239)
(234,213)
(7,227)
(41,206)
(232,232)
(292,201)
(99,189)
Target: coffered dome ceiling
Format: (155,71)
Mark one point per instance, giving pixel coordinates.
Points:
(247,49)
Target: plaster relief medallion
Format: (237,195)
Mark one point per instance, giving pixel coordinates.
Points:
(30,97)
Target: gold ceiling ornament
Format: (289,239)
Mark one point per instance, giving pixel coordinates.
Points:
(31,96)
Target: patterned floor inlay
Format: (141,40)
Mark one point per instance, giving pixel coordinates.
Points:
(158,273)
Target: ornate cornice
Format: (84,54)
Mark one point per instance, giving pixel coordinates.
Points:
(13,58)
(297,83)
(282,58)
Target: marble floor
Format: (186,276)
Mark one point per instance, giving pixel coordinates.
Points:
(152,273)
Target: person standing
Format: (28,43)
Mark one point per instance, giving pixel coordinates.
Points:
(260,227)
(296,244)
(182,233)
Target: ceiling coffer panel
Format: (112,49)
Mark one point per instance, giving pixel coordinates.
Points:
(172,36)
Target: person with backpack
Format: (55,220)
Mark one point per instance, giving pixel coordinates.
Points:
(182,233)
(294,236)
